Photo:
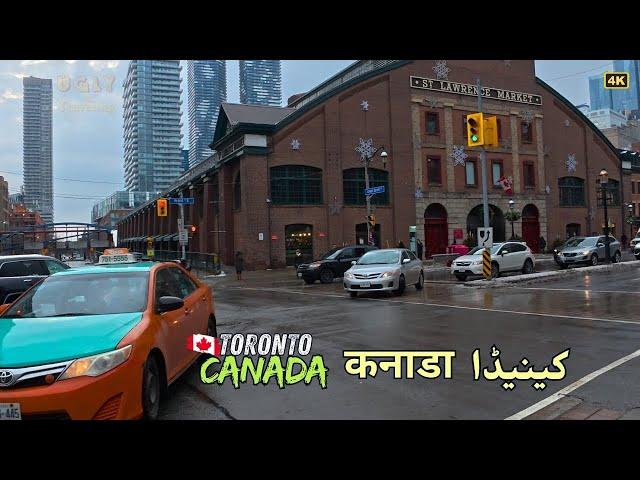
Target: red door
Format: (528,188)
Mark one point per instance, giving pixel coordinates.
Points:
(436,232)
(531,228)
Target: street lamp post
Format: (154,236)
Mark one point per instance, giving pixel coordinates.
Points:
(604,180)
(511,218)
(268,201)
(630,207)
(367,154)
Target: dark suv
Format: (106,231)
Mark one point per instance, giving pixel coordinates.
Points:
(332,264)
(19,272)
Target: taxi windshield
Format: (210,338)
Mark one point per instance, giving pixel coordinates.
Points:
(581,242)
(87,294)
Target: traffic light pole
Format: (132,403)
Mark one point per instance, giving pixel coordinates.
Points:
(483,166)
(367,198)
(184,255)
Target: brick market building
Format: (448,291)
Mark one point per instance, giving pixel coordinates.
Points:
(287,178)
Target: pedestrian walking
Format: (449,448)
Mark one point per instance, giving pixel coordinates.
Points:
(239,261)
(419,248)
(623,241)
(298,259)
(543,244)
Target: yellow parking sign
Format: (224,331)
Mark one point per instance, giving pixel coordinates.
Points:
(616,80)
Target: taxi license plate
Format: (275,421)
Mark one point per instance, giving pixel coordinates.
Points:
(365,285)
(300,275)
(10,411)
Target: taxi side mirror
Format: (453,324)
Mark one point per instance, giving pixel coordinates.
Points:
(168,304)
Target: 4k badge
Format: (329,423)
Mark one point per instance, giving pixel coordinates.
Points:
(616,80)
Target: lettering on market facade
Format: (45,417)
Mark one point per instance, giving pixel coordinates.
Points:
(472,90)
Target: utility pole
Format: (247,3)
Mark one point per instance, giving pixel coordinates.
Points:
(483,163)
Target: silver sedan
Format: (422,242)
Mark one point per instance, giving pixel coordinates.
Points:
(390,269)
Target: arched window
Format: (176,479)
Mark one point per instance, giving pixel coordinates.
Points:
(353,185)
(296,185)
(237,192)
(571,191)
(613,193)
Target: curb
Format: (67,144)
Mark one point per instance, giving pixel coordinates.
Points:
(552,275)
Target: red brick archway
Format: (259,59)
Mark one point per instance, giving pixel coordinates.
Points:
(436,236)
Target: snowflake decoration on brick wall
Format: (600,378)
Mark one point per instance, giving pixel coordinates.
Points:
(364,105)
(295,144)
(365,148)
(571,162)
(527,116)
(458,155)
(567,123)
(335,207)
(547,189)
(441,70)
(419,192)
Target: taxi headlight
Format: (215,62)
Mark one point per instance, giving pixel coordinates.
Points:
(314,265)
(585,253)
(96,364)
(348,275)
(390,273)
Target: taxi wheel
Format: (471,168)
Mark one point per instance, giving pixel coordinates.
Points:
(401,286)
(420,283)
(594,259)
(617,257)
(528,267)
(495,270)
(151,389)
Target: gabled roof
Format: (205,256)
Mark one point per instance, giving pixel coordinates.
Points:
(237,113)
(581,115)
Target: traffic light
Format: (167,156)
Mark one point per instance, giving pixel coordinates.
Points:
(475,127)
(372,220)
(490,131)
(162,207)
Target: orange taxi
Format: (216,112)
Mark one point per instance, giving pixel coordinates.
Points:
(101,342)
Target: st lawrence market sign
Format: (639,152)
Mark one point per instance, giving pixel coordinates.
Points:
(472,90)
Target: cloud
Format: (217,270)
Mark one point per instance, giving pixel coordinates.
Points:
(100,64)
(19,75)
(32,62)
(11,95)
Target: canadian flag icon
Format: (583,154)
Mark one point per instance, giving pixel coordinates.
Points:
(506,185)
(204,344)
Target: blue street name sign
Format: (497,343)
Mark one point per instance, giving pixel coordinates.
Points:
(182,201)
(374,190)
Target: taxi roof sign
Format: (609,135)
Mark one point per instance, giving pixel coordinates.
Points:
(116,251)
(117,259)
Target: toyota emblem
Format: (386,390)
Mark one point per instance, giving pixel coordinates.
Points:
(6,378)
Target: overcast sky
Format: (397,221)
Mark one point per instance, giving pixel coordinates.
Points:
(87,117)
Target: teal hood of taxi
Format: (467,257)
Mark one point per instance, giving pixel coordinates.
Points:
(36,341)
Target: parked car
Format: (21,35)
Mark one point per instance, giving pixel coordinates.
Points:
(636,251)
(505,257)
(19,272)
(586,250)
(332,264)
(389,269)
(634,241)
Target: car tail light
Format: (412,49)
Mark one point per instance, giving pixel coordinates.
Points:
(109,410)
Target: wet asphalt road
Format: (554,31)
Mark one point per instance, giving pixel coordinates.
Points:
(595,315)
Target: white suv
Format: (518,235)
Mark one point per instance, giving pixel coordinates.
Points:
(505,257)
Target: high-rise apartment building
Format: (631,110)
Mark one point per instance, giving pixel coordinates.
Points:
(4,204)
(261,82)
(619,100)
(37,145)
(207,89)
(152,125)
